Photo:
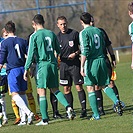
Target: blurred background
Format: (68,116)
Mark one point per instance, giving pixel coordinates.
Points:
(111,15)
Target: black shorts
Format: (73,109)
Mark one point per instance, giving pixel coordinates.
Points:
(69,74)
(108,63)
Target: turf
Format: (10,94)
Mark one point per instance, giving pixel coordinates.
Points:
(110,123)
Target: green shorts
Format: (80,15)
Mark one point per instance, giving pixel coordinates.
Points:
(96,72)
(47,75)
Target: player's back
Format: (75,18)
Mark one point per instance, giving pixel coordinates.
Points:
(13,50)
(93,42)
(46,43)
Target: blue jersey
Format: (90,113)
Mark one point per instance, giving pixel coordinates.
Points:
(1,39)
(13,50)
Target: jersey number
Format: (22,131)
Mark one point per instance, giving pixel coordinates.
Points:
(97,41)
(49,47)
(18,50)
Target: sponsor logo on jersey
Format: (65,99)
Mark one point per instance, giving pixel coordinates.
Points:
(71,43)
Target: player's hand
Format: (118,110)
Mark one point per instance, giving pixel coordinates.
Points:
(33,70)
(25,75)
(58,61)
(71,56)
(114,64)
(82,71)
(1,66)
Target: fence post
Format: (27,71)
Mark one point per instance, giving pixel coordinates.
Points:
(117,56)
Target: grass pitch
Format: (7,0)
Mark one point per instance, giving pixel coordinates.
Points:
(110,123)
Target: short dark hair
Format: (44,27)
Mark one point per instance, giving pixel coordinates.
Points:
(61,18)
(10,27)
(38,19)
(86,17)
(130,7)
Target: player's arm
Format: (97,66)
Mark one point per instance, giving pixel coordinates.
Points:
(109,48)
(83,59)
(132,58)
(57,49)
(84,51)
(76,53)
(112,55)
(130,29)
(56,45)
(3,55)
(30,57)
(1,66)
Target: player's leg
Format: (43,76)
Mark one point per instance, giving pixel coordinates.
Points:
(99,97)
(32,104)
(15,109)
(68,95)
(82,99)
(61,98)
(106,81)
(54,103)
(93,103)
(23,117)
(42,80)
(17,84)
(1,114)
(66,82)
(30,97)
(16,112)
(99,91)
(59,95)
(112,83)
(5,119)
(22,105)
(113,86)
(43,106)
(4,89)
(78,81)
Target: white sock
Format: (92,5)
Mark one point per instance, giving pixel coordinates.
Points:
(22,115)
(24,99)
(21,104)
(2,100)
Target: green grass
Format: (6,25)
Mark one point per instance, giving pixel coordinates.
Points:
(110,123)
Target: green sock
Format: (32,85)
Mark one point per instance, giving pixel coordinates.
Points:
(43,107)
(61,98)
(93,103)
(110,93)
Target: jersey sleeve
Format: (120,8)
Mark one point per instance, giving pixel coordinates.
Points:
(57,45)
(3,53)
(106,38)
(31,51)
(130,29)
(83,39)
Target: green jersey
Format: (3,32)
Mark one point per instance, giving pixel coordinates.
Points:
(92,42)
(43,44)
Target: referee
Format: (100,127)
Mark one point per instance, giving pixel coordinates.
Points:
(70,63)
